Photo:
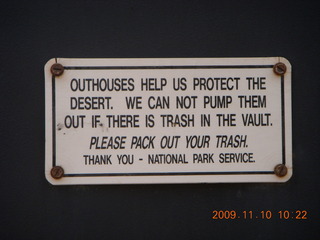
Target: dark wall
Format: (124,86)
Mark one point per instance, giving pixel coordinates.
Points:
(32,32)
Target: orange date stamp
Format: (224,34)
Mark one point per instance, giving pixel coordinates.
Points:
(265,214)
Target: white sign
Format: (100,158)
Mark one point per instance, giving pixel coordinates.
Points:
(190,120)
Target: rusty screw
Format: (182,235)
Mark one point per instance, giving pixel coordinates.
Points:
(57,172)
(280,170)
(57,69)
(279,68)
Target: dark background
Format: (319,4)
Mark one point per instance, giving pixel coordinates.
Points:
(32,32)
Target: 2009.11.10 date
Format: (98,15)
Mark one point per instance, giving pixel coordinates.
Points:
(265,214)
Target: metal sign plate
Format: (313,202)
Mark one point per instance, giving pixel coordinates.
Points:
(194,120)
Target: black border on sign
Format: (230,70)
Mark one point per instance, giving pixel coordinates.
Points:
(164,173)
